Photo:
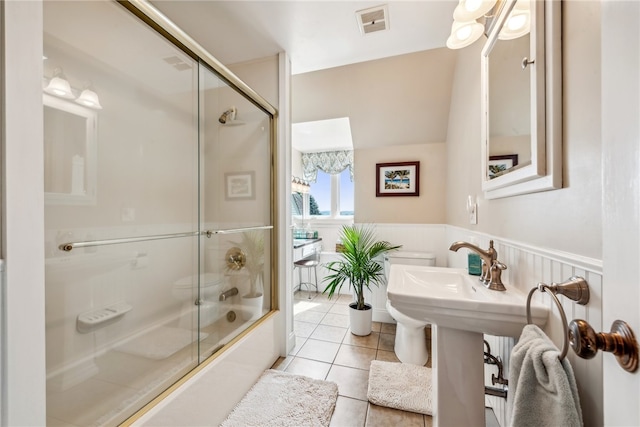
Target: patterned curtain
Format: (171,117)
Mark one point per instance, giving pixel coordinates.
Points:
(331,162)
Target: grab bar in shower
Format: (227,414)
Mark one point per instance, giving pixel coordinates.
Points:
(210,233)
(69,246)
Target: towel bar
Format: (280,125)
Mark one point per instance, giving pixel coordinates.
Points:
(576,289)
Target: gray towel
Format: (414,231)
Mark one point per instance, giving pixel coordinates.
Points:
(542,390)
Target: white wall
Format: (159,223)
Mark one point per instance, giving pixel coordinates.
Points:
(568,219)
(621,197)
(427,208)
(551,235)
(23,333)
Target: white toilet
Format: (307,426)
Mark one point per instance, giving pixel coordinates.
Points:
(186,291)
(411,343)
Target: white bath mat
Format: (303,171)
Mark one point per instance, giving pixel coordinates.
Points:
(159,343)
(400,386)
(280,399)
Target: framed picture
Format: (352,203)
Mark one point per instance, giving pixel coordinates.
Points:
(499,164)
(398,179)
(239,185)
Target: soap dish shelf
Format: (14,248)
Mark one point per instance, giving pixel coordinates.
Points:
(92,320)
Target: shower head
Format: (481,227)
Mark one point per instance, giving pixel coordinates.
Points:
(228,116)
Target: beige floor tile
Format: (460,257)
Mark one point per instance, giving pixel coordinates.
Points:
(299,343)
(311,305)
(428,421)
(388,328)
(309,316)
(379,416)
(369,341)
(322,351)
(386,342)
(351,382)
(346,298)
(376,326)
(322,297)
(303,329)
(308,368)
(303,295)
(340,308)
(349,413)
(387,356)
(282,363)
(355,357)
(339,320)
(329,333)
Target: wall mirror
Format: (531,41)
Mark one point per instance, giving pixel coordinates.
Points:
(521,124)
(70,152)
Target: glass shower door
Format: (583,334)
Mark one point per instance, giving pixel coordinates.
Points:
(235,138)
(122,195)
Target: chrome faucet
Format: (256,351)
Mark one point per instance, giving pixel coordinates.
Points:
(228,293)
(491,267)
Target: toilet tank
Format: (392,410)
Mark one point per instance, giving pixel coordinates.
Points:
(408,258)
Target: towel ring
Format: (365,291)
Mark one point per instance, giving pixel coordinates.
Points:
(576,289)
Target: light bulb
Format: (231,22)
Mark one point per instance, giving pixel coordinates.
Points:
(472,5)
(464,32)
(59,85)
(516,22)
(90,99)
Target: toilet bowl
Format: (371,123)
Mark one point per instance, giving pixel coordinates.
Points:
(186,291)
(411,342)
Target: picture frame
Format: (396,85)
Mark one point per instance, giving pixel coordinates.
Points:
(398,179)
(497,165)
(239,185)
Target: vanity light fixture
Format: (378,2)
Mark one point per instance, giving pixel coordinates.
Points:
(59,85)
(464,33)
(470,10)
(89,98)
(518,23)
(466,29)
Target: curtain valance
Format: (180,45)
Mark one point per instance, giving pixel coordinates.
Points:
(331,162)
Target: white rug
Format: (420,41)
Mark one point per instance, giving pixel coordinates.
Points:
(280,399)
(400,386)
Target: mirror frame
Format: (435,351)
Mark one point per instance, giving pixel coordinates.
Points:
(545,171)
(91,153)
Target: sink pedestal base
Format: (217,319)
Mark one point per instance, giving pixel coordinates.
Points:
(458,377)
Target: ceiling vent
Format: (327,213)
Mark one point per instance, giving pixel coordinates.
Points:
(373,19)
(177,63)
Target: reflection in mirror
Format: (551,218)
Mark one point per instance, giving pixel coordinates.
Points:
(522,100)
(510,107)
(70,139)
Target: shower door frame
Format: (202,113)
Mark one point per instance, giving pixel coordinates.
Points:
(161,24)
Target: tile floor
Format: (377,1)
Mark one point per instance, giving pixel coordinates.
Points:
(326,349)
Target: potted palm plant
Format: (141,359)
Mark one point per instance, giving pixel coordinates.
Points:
(359,266)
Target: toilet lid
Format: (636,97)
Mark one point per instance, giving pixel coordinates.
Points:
(411,255)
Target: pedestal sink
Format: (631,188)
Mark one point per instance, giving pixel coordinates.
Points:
(460,310)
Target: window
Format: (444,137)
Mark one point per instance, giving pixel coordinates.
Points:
(331,195)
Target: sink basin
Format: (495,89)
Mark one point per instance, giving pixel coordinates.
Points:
(461,310)
(450,297)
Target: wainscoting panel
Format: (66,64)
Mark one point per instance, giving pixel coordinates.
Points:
(526,267)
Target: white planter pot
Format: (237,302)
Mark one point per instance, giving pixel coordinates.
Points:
(252,307)
(360,320)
